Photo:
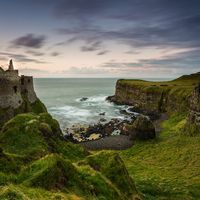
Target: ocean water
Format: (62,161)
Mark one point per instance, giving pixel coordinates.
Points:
(62,98)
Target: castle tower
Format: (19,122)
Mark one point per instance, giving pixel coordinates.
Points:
(11,67)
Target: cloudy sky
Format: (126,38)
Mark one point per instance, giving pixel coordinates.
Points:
(101,38)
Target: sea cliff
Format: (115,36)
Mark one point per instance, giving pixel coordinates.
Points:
(154,98)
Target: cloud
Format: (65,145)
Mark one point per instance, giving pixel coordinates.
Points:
(35,72)
(32,71)
(21,58)
(85,71)
(146,23)
(94,46)
(54,54)
(29,41)
(179,63)
(35,53)
(102,52)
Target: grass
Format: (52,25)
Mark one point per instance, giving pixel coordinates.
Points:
(169,167)
(37,163)
(155,97)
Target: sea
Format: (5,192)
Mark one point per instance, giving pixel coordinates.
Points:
(62,97)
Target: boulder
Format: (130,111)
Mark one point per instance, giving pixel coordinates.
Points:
(142,129)
(84,99)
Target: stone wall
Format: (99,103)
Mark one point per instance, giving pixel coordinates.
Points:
(10,90)
(17,95)
(27,88)
(194,114)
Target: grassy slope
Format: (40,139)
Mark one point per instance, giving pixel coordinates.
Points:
(168,168)
(37,163)
(186,80)
(180,87)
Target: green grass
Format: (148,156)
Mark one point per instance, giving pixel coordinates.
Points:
(183,81)
(169,167)
(166,96)
(37,163)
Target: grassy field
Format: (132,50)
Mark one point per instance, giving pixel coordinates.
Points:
(186,80)
(169,167)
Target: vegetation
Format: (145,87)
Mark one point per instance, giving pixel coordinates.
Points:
(168,167)
(37,163)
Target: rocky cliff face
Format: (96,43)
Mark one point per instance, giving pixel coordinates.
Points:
(194,112)
(153,98)
(150,98)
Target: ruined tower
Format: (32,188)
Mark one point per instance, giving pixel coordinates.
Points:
(14,90)
(11,67)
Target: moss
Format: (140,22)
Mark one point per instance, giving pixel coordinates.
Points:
(166,96)
(50,172)
(166,168)
(38,107)
(53,172)
(115,170)
(191,130)
(21,136)
(27,161)
(7,193)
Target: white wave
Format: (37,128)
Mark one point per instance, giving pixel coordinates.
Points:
(92,99)
(70,111)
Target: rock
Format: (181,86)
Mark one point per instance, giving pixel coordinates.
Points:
(124,112)
(103,113)
(102,120)
(142,128)
(116,132)
(1,151)
(84,99)
(94,136)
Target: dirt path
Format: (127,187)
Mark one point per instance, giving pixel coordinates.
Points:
(118,142)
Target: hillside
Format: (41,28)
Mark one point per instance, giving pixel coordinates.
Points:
(156,97)
(168,167)
(37,163)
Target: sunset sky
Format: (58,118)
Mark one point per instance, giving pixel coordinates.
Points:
(101,38)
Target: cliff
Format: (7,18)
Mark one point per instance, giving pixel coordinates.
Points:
(17,94)
(155,98)
(168,166)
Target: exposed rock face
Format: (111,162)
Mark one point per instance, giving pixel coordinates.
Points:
(194,113)
(16,93)
(150,100)
(142,129)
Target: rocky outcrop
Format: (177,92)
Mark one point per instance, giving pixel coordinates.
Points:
(142,129)
(152,99)
(194,111)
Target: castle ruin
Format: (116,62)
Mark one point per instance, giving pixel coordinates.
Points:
(13,88)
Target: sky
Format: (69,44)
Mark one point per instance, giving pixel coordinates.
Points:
(101,38)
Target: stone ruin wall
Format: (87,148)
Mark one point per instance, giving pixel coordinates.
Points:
(13,87)
(27,88)
(194,115)
(10,90)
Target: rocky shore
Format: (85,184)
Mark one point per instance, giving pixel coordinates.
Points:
(149,104)
(117,133)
